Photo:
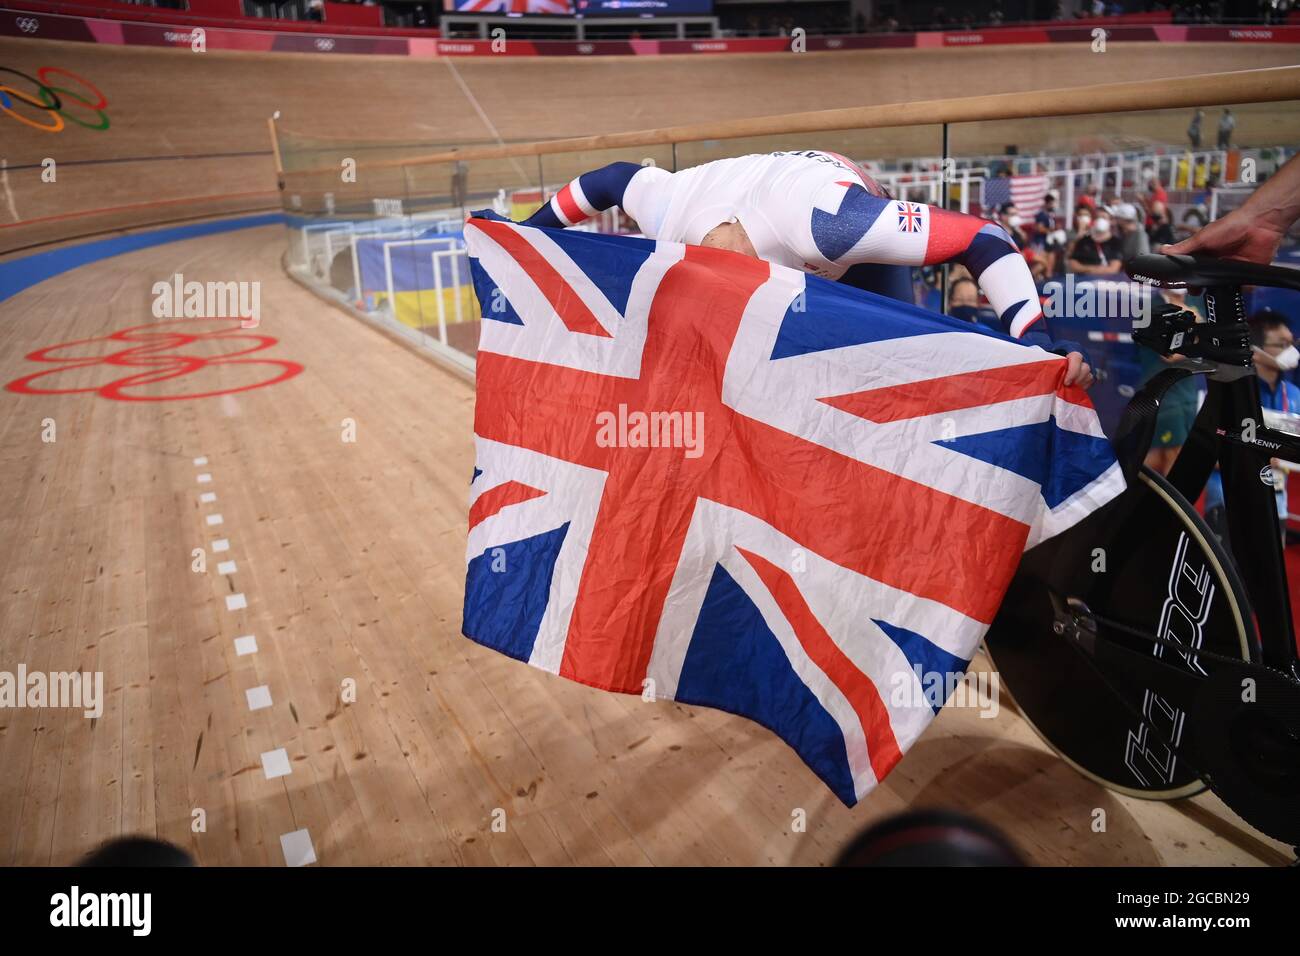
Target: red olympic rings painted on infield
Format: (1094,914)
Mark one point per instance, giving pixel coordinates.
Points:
(154,348)
(51,102)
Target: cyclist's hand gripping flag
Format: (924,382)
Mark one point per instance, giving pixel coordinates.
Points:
(727,483)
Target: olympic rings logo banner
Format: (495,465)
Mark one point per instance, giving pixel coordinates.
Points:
(159,362)
(28,24)
(44,97)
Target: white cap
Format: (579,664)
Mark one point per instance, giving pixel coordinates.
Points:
(1126,211)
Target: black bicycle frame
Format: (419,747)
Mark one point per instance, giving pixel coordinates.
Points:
(1222,434)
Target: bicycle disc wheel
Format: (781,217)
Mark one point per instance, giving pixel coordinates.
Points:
(1147,561)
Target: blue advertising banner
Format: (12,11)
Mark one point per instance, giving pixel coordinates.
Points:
(633,8)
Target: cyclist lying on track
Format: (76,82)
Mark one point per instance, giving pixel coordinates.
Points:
(821,213)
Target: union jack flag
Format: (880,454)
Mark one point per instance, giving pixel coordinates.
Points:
(842,517)
(909,216)
(509,6)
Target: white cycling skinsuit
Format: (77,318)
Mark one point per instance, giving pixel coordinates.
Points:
(810,210)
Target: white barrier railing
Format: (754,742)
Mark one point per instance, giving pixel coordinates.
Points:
(388,263)
(453,258)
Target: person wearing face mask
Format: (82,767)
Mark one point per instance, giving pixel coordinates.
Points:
(1010,219)
(1132,237)
(1275,353)
(964,299)
(1097,253)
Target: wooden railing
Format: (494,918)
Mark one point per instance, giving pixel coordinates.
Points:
(1211,89)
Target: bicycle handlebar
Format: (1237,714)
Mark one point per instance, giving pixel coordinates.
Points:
(1179,272)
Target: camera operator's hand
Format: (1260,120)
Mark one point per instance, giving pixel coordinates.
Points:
(1254,231)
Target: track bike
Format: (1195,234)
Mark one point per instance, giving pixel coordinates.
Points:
(1150,657)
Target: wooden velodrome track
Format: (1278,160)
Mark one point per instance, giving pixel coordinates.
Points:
(349,556)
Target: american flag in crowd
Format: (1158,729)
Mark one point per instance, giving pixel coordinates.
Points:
(833,519)
(1026,192)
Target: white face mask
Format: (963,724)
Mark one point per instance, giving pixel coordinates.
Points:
(1013,221)
(1285,360)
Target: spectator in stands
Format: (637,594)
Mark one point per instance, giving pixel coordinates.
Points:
(1046,220)
(1089,196)
(1227,123)
(1194,220)
(964,299)
(1274,354)
(1048,234)
(459,184)
(963,292)
(1161,230)
(1132,237)
(1275,11)
(1179,405)
(1080,226)
(1009,218)
(1194,129)
(316,10)
(1098,252)
(1155,189)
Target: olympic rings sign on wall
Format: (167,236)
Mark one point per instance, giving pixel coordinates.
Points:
(27,24)
(53,107)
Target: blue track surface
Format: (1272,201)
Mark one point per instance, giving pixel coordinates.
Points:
(19,274)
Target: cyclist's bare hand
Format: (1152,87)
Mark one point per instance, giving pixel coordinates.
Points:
(1077,371)
(1238,235)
